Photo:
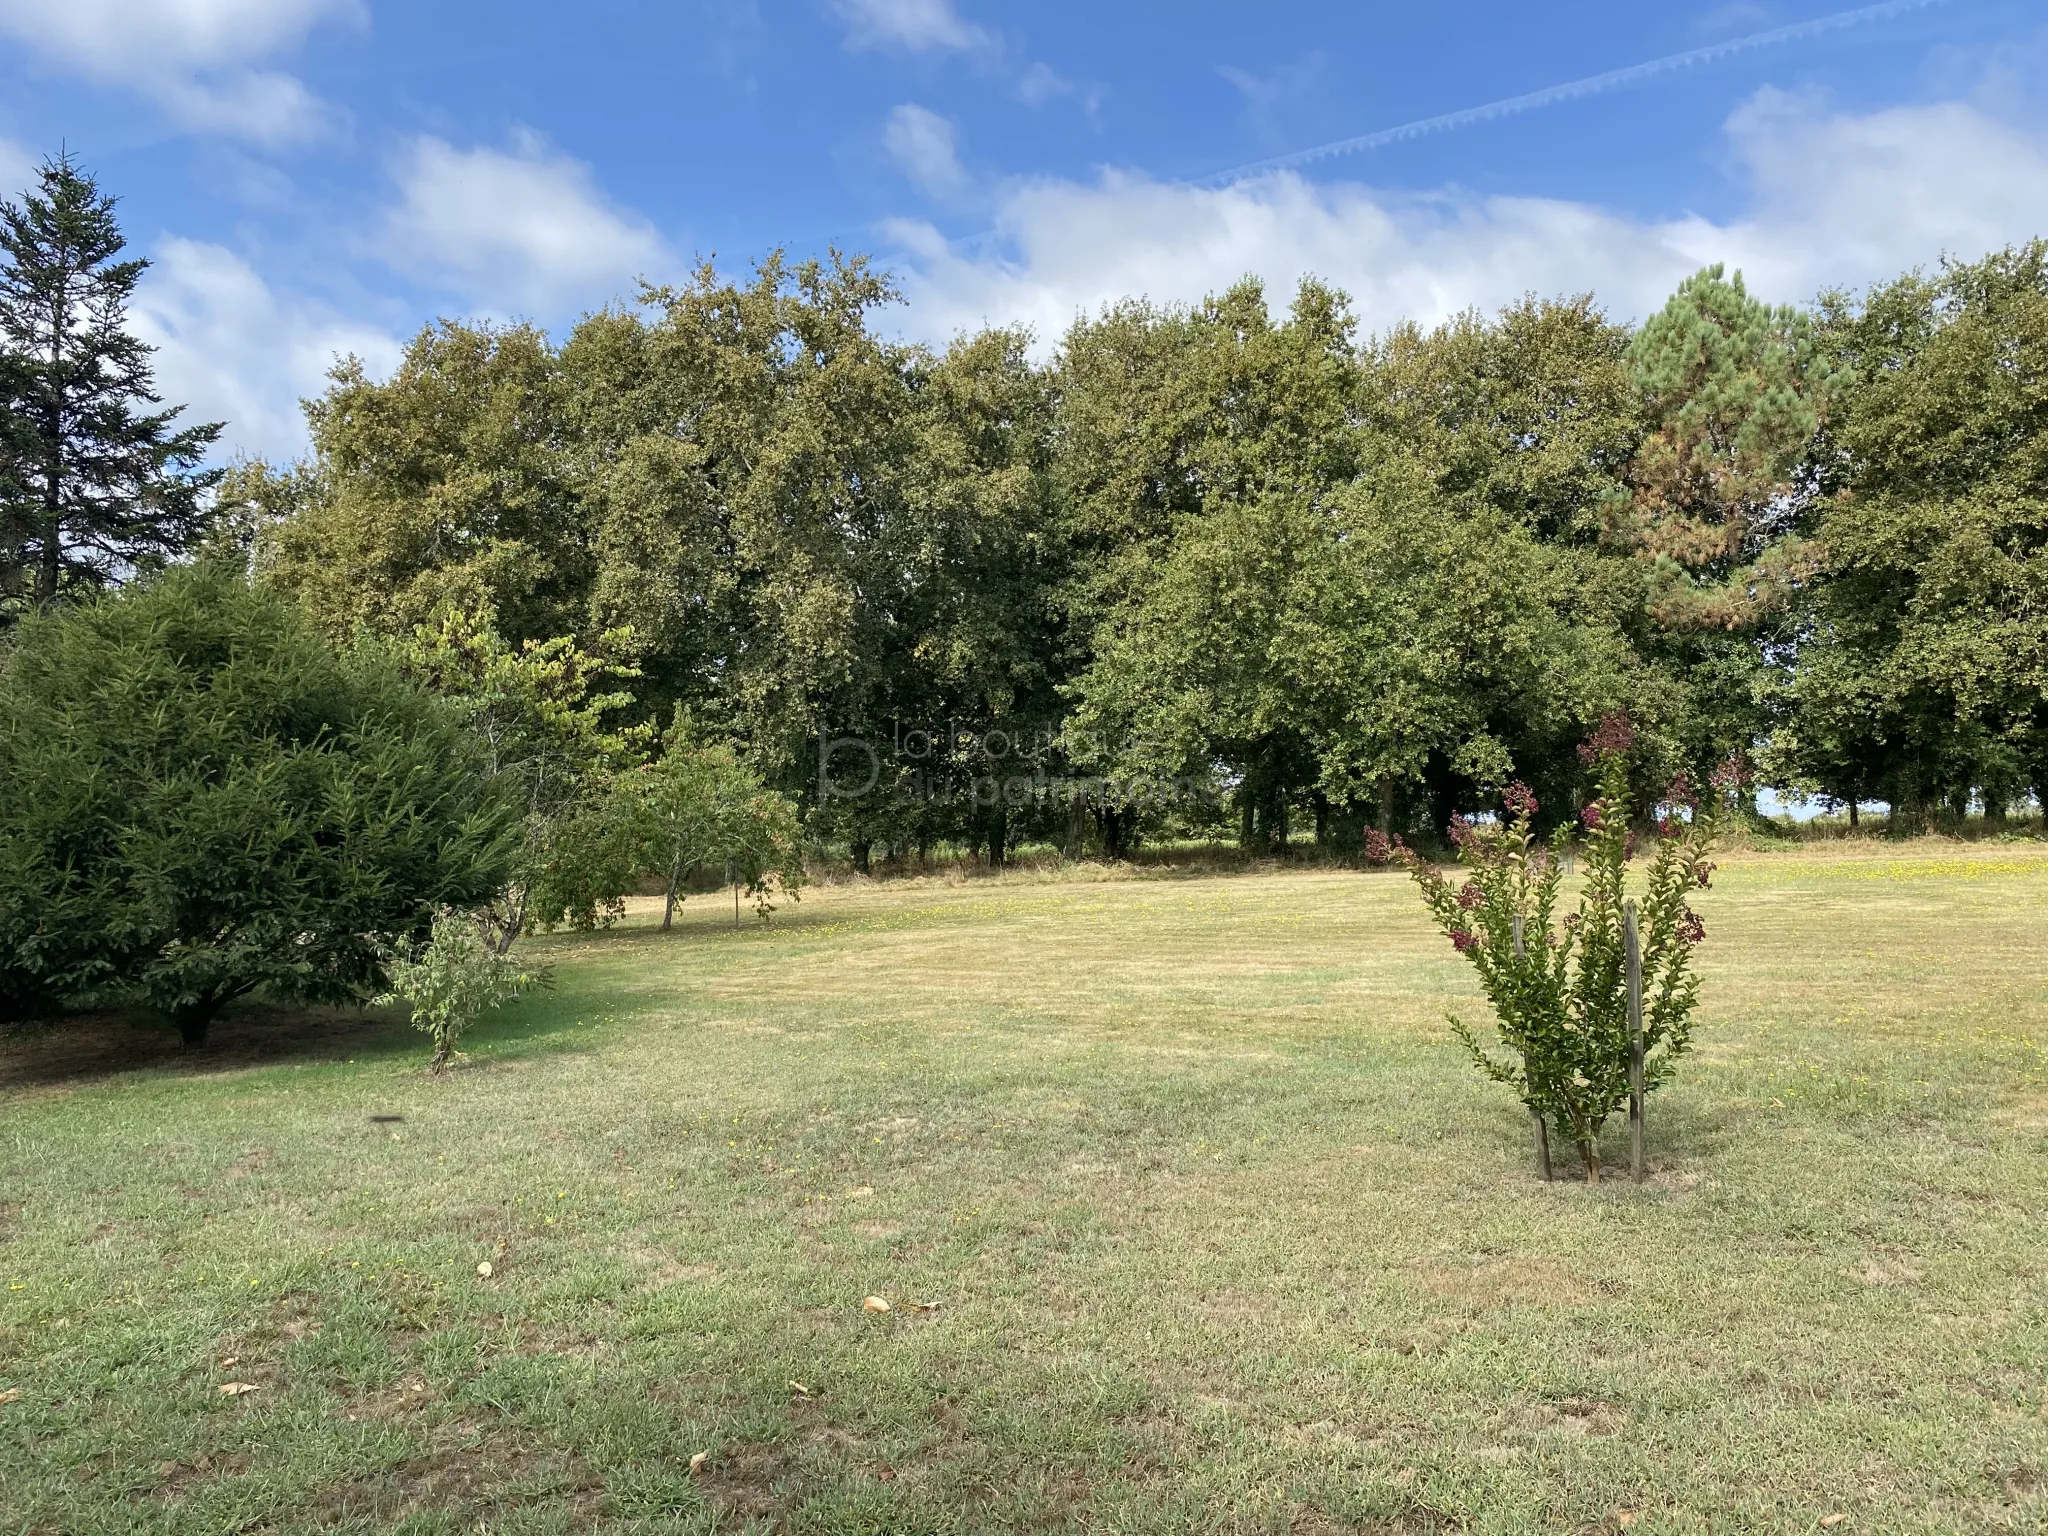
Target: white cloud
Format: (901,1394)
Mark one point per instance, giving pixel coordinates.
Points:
(17,170)
(922,144)
(1041,83)
(1841,199)
(194,58)
(528,229)
(918,26)
(229,349)
(1834,199)
(1268,97)
(1735,16)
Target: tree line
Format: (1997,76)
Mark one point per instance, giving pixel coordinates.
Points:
(1346,581)
(1314,581)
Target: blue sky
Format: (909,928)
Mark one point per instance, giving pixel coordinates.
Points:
(317,176)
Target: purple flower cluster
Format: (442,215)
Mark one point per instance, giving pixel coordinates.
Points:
(1690,929)
(1470,896)
(1613,735)
(1591,816)
(1519,800)
(1463,941)
(1680,792)
(1463,834)
(1731,775)
(1379,848)
(1705,875)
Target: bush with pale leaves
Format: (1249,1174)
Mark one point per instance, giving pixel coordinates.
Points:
(453,980)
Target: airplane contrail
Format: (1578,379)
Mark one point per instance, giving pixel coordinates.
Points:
(1592,85)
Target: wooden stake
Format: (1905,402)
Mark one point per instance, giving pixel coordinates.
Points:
(1540,1131)
(1632,958)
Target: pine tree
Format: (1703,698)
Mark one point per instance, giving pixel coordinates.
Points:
(93,483)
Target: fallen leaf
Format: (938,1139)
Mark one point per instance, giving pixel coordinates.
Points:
(926,1306)
(237,1388)
(1624,1518)
(799,1387)
(10,1394)
(484,1269)
(697,1462)
(231,1360)
(865,1189)
(1834,1519)
(874,1304)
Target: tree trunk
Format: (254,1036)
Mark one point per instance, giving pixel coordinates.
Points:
(668,911)
(49,564)
(999,837)
(195,1019)
(513,925)
(1114,836)
(1322,804)
(860,856)
(1386,822)
(1852,815)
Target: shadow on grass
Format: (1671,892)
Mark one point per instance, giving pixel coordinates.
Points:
(88,1047)
(94,1045)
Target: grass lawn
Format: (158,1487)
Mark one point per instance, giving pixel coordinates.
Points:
(1222,1232)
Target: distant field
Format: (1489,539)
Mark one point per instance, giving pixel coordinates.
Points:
(1223,1233)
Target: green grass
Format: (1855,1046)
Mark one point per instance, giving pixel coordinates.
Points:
(1225,1234)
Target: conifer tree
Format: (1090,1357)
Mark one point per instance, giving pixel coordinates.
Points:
(94,482)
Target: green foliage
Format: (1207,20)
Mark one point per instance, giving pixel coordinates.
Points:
(1559,989)
(697,806)
(1736,392)
(203,798)
(1363,582)
(93,485)
(453,979)
(540,723)
(1924,674)
(441,486)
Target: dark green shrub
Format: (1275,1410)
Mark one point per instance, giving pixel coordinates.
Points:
(202,798)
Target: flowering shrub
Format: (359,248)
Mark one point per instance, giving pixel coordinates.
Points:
(1561,994)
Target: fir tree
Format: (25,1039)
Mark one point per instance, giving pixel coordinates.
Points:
(94,484)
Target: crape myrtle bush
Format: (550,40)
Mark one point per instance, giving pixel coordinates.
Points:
(1561,995)
(204,798)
